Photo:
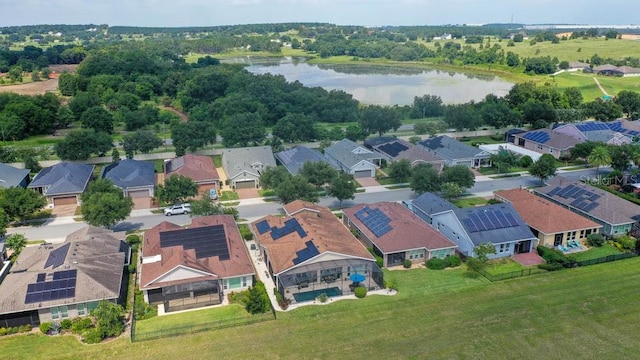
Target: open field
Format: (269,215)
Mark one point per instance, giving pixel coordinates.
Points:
(587,313)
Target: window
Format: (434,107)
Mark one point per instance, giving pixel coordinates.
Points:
(571,235)
(55,313)
(59,312)
(82,309)
(581,234)
(244,281)
(539,147)
(503,248)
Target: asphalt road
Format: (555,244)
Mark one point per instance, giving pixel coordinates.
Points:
(58,231)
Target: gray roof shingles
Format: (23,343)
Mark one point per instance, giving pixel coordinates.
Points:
(238,160)
(63,178)
(342,151)
(293,159)
(432,204)
(10,176)
(451,148)
(130,173)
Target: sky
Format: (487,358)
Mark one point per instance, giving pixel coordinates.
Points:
(178,13)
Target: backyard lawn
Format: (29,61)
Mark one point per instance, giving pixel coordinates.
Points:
(503,266)
(469,202)
(596,252)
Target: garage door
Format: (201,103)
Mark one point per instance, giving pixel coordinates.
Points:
(139,193)
(66,200)
(362,173)
(251,184)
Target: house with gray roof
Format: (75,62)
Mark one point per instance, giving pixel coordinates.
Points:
(53,282)
(546,141)
(617,215)
(611,133)
(293,159)
(455,152)
(244,166)
(13,177)
(352,158)
(136,178)
(398,149)
(497,224)
(62,183)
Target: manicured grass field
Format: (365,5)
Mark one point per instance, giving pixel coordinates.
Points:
(587,313)
(596,252)
(469,202)
(502,266)
(158,323)
(229,195)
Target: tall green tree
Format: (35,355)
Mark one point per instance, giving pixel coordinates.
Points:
(98,119)
(297,188)
(103,204)
(621,156)
(600,156)
(318,173)
(142,140)
(400,170)
(67,84)
(379,119)
(342,187)
(544,168)
(503,160)
(629,101)
(458,174)
(4,222)
(271,177)
(18,203)
(205,207)
(109,319)
(451,190)
(424,178)
(80,144)
(16,242)
(192,136)
(243,129)
(176,189)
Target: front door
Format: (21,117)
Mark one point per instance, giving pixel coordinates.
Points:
(558,239)
(523,247)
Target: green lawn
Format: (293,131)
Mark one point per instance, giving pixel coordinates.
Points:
(469,202)
(503,266)
(596,252)
(388,181)
(589,313)
(494,171)
(217,161)
(193,318)
(229,195)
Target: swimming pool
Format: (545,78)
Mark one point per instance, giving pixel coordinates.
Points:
(311,295)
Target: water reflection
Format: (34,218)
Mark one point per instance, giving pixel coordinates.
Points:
(379,84)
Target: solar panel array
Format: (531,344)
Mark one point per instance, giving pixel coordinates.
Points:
(290,226)
(375,220)
(307,253)
(489,219)
(393,148)
(617,126)
(208,241)
(263,227)
(537,136)
(62,286)
(592,126)
(56,257)
(583,199)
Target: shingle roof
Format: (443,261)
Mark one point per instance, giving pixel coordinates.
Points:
(432,204)
(550,138)
(10,176)
(407,230)
(200,168)
(97,254)
(239,160)
(321,228)
(590,200)
(63,178)
(499,235)
(130,173)
(399,149)
(373,142)
(349,154)
(544,215)
(451,148)
(293,159)
(173,256)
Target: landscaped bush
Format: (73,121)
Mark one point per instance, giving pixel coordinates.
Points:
(133,240)
(25,328)
(91,336)
(360,292)
(452,261)
(406,264)
(65,324)
(493,201)
(258,300)
(391,284)
(79,325)
(553,256)
(142,310)
(595,240)
(238,297)
(15,330)
(323,298)
(550,267)
(3,331)
(435,264)
(45,327)
(132,268)
(525,161)
(625,243)
(282,301)
(379,259)
(245,232)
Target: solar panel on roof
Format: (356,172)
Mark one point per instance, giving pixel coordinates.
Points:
(307,253)
(590,207)
(554,191)
(291,225)
(594,197)
(56,257)
(208,241)
(375,220)
(41,277)
(512,221)
(393,148)
(263,227)
(62,286)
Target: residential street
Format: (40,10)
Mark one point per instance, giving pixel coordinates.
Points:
(57,229)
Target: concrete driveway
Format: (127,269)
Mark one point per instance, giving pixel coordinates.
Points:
(367,182)
(64,210)
(248,193)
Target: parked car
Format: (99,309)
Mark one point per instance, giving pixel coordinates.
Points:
(177,209)
(213,194)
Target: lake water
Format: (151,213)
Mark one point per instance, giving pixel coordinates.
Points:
(378,84)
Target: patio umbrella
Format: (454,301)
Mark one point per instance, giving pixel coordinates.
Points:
(357,278)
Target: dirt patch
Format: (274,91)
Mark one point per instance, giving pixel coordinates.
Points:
(183,117)
(34,88)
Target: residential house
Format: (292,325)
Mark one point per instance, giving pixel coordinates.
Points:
(615,214)
(396,234)
(185,268)
(398,149)
(244,166)
(612,70)
(136,178)
(599,132)
(293,159)
(508,135)
(352,158)
(13,177)
(456,153)
(497,224)
(309,252)
(199,168)
(53,282)
(546,141)
(551,223)
(63,183)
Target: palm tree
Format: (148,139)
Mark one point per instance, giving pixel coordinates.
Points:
(599,157)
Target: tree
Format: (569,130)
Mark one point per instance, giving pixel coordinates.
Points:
(426,106)
(64,117)
(583,150)
(242,129)
(400,170)
(298,187)
(463,116)
(80,144)
(142,141)
(98,119)
(103,204)
(192,136)
(257,300)
(67,84)
(4,222)
(176,189)
(451,190)
(318,173)
(16,242)
(271,177)
(629,101)
(574,97)
(379,119)
(115,155)
(342,187)
(503,160)
(621,156)
(460,175)
(599,156)
(603,110)
(18,203)
(205,207)
(482,252)
(109,318)
(544,168)
(424,178)
(31,163)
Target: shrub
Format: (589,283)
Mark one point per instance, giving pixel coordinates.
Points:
(596,240)
(78,325)
(141,309)
(3,331)
(45,327)
(493,201)
(282,301)
(525,161)
(25,328)
(406,264)
(133,239)
(452,261)
(436,264)
(626,242)
(379,261)
(239,297)
(360,292)
(65,324)
(553,256)
(550,267)
(91,336)
(258,301)
(323,298)
(391,284)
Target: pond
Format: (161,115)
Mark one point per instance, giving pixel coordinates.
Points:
(380,84)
